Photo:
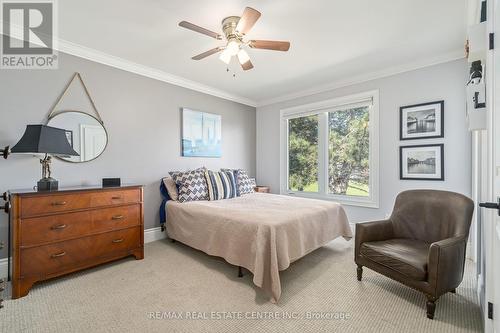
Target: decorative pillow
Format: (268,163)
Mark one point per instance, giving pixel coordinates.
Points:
(171,188)
(235,176)
(221,185)
(234,172)
(191,185)
(245,184)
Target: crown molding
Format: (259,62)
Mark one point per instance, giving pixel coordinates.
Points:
(87,53)
(129,66)
(452,56)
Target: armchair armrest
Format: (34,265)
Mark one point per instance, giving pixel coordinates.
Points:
(446,264)
(371,232)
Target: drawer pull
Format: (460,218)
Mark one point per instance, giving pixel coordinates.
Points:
(117,217)
(118,240)
(59,203)
(58,227)
(116,198)
(57,255)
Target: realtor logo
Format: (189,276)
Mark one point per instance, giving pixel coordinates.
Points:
(28,35)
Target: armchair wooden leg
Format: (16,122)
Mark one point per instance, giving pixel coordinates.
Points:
(240,272)
(454,291)
(431,307)
(359,270)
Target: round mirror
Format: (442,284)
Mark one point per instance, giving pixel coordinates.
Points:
(85,134)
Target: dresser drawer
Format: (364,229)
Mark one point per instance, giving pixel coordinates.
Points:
(49,204)
(107,198)
(49,259)
(33,206)
(48,229)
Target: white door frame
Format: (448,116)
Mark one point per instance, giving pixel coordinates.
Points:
(491,219)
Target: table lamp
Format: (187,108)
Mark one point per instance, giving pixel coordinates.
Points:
(41,139)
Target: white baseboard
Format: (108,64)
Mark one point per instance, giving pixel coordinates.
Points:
(150,235)
(154,234)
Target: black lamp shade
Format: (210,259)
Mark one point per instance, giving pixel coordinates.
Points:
(45,140)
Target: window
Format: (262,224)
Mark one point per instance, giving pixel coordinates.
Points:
(349,152)
(303,154)
(330,150)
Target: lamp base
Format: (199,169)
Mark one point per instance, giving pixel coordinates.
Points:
(47,184)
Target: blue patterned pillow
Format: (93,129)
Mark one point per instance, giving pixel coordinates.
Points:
(221,185)
(244,184)
(191,185)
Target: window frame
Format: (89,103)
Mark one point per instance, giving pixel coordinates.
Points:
(322,109)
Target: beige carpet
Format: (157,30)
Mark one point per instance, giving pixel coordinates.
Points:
(178,281)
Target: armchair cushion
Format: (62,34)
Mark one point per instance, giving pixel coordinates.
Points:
(406,256)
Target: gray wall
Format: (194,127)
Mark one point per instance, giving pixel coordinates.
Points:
(441,82)
(142,118)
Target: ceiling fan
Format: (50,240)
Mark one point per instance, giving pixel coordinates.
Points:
(235,28)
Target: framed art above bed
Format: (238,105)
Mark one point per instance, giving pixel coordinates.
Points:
(201,134)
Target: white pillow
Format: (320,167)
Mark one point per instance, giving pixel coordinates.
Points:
(171,188)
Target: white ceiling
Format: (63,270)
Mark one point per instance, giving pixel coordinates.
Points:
(331,40)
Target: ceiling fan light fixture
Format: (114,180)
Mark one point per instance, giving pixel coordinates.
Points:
(243,56)
(234,31)
(225,57)
(233,47)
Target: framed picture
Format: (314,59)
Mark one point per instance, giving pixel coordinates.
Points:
(423,162)
(421,121)
(69,136)
(201,134)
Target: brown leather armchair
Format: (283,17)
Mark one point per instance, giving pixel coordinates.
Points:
(421,245)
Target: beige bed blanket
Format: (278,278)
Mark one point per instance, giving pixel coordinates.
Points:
(262,232)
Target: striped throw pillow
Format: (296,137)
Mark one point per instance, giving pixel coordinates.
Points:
(221,185)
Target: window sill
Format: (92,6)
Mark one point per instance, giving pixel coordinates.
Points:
(348,201)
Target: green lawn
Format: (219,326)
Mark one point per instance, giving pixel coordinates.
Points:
(354,189)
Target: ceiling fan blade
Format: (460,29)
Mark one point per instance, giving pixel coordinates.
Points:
(247,20)
(270,45)
(194,27)
(247,65)
(207,53)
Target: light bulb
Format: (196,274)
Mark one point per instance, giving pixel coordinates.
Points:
(233,47)
(225,56)
(243,56)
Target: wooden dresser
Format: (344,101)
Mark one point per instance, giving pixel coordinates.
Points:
(56,233)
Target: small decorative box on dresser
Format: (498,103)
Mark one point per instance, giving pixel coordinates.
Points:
(262,189)
(59,232)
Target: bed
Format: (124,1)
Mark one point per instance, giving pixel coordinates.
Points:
(261,232)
